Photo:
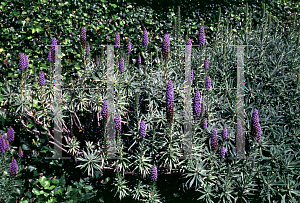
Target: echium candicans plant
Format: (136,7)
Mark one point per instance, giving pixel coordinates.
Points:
(166,46)
(192,76)
(145,40)
(121,65)
(117,40)
(10,134)
(54,42)
(208,82)
(255,126)
(214,140)
(201,37)
(8,171)
(22,62)
(118,123)
(83,36)
(2,144)
(197,105)
(206,63)
(170,101)
(142,130)
(104,112)
(41,79)
(224,133)
(6,144)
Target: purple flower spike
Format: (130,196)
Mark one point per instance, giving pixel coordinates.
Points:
(41,79)
(121,65)
(22,62)
(10,134)
(255,126)
(166,46)
(170,101)
(6,147)
(206,63)
(20,152)
(204,125)
(140,59)
(222,151)
(224,133)
(129,47)
(142,130)
(13,168)
(197,105)
(54,42)
(208,82)
(87,50)
(192,76)
(117,40)
(214,139)
(201,36)
(118,123)
(145,38)
(104,112)
(154,173)
(82,36)
(189,48)
(2,144)
(49,56)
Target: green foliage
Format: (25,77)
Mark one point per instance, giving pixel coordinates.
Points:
(271,85)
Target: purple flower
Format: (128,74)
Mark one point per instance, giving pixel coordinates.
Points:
(170,101)
(166,46)
(189,48)
(140,59)
(222,151)
(6,147)
(22,62)
(192,76)
(49,56)
(154,173)
(142,130)
(10,134)
(82,36)
(13,168)
(224,133)
(117,40)
(208,82)
(104,112)
(129,47)
(206,63)
(20,152)
(204,125)
(145,38)
(197,105)
(201,36)
(54,42)
(121,65)
(26,61)
(2,144)
(255,126)
(118,123)
(41,79)
(202,109)
(87,50)
(214,139)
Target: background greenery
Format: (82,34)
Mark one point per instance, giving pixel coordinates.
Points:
(28,27)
